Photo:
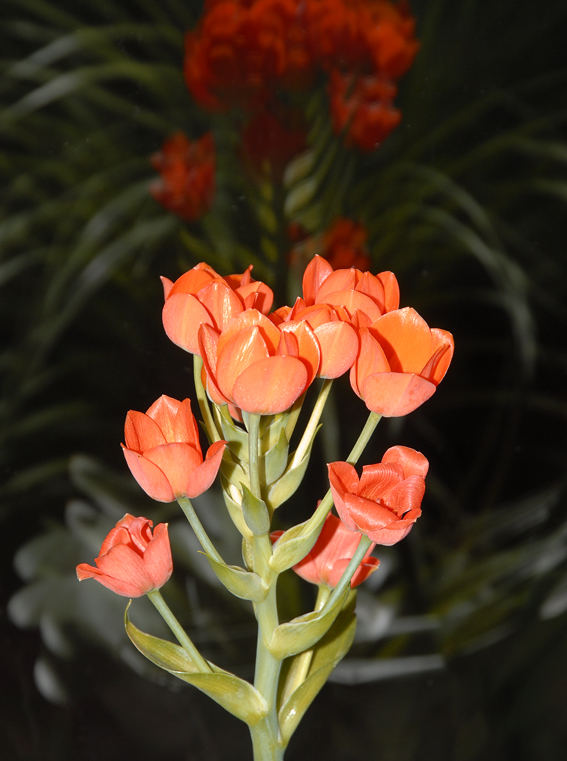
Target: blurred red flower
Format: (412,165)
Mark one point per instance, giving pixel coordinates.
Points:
(187,168)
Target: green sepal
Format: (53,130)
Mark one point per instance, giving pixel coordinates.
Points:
(255,512)
(241,583)
(294,544)
(330,649)
(232,468)
(236,437)
(235,509)
(289,482)
(275,460)
(247,553)
(303,632)
(235,695)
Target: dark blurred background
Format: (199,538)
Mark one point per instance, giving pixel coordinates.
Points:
(460,651)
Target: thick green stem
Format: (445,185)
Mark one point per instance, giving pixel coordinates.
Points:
(265,734)
(180,634)
(210,427)
(187,507)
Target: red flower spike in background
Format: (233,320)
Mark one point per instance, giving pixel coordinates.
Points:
(272,140)
(202,297)
(400,363)
(255,365)
(132,561)
(386,501)
(164,454)
(351,289)
(364,107)
(331,554)
(187,168)
(344,245)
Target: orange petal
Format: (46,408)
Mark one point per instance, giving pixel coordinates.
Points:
(339,347)
(367,515)
(152,480)
(177,461)
(316,272)
(167,286)
(271,385)
(338,281)
(221,302)
(123,571)
(396,394)
(370,360)
(164,411)
(182,316)
(443,347)
(201,477)
(158,563)
(407,495)
(377,481)
(251,318)
(246,347)
(354,302)
(141,432)
(405,338)
(308,350)
(343,479)
(391,291)
(412,462)
(257,295)
(194,279)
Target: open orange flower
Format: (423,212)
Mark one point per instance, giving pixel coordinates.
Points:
(164,454)
(132,561)
(400,363)
(331,554)
(386,501)
(369,295)
(203,297)
(255,366)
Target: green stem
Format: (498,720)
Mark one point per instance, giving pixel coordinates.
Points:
(311,426)
(180,634)
(301,663)
(349,571)
(369,428)
(265,734)
(210,427)
(187,507)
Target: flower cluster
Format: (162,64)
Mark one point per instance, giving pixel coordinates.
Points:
(244,50)
(187,175)
(252,369)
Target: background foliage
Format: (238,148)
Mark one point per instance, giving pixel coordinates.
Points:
(460,645)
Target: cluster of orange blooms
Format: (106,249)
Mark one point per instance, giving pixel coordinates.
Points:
(244,50)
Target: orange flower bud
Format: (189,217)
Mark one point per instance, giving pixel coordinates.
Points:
(386,501)
(132,561)
(164,454)
(203,297)
(331,554)
(400,362)
(255,365)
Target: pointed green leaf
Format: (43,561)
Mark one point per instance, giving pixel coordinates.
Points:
(230,492)
(275,460)
(255,512)
(304,631)
(241,583)
(234,694)
(237,437)
(294,544)
(326,655)
(289,482)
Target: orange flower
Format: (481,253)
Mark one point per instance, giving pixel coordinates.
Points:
(363,105)
(255,366)
(132,561)
(187,168)
(202,297)
(331,554)
(386,501)
(400,363)
(351,289)
(336,338)
(164,454)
